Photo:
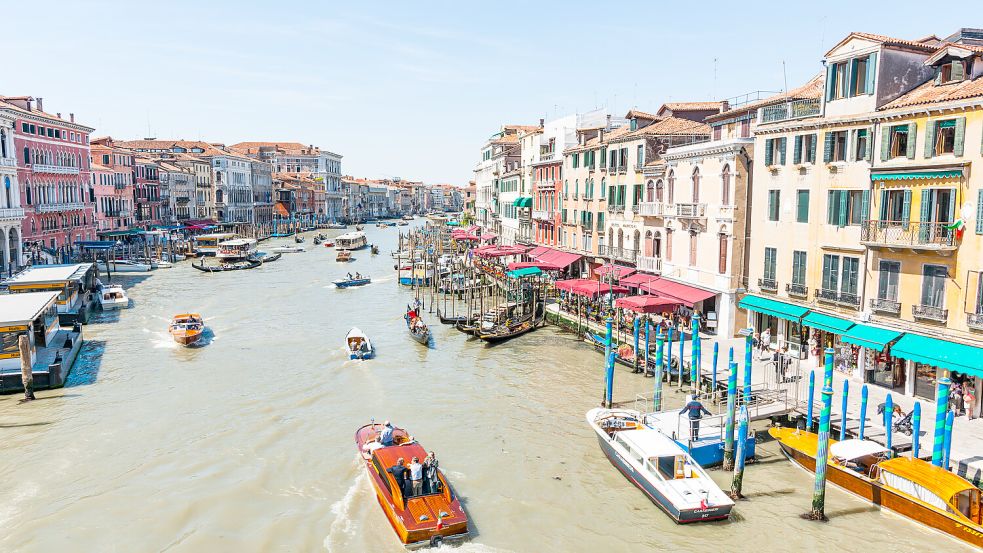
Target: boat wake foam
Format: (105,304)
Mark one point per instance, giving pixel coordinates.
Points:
(342,529)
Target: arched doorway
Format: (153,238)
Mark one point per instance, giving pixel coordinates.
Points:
(636,243)
(621,239)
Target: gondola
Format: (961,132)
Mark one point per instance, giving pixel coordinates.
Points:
(500,333)
(317,240)
(359,228)
(467,327)
(452,320)
(267,258)
(298,239)
(238,266)
(418,329)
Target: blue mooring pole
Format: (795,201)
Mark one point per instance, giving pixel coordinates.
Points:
(863,411)
(828,368)
(812,398)
(947,442)
(682,355)
(822,454)
(657,393)
(888,424)
(741,438)
(609,370)
(941,406)
(916,430)
(669,356)
(713,374)
(729,424)
(648,325)
(636,327)
(846,392)
(694,367)
(748,346)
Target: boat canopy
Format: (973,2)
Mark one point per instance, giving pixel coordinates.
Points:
(919,479)
(855,449)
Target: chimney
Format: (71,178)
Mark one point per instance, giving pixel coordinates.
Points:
(59,115)
(28,102)
(724,106)
(40,105)
(541,122)
(71,117)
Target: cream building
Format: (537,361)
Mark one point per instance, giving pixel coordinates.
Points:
(11,212)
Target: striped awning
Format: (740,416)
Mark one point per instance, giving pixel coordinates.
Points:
(913,175)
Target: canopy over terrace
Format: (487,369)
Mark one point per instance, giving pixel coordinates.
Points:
(687,295)
(589,288)
(543,254)
(646,304)
(537,264)
(499,251)
(618,271)
(636,280)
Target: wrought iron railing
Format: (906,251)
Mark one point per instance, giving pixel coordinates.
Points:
(930,312)
(914,235)
(974,321)
(884,305)
(791,110)
(848,299)
(797,289)
(768,284)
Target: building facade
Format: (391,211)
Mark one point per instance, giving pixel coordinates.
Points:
(11,211)
(112,183)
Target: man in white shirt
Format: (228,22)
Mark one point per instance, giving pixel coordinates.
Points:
(416,477)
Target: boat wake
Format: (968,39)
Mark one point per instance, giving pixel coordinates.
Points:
(341,533)
(471,547)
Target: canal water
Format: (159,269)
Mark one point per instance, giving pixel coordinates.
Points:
(247,444)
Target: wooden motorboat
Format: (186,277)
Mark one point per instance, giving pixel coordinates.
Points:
(358,344)
(403,223)
(359,228)
(430,519)
(237,266)
(358,280)
(328,244)
(187,328)
(344,256)
(659,467)
(414,323)
(910,487)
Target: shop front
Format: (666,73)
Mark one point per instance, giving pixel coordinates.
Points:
(826,331)
(782,320)
(930,359)
(875,360)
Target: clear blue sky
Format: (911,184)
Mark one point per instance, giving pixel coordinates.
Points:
(413,88)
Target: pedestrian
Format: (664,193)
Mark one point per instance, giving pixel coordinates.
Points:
(416,477)
(399,474)
(956,399)
(695,410)
(766,341)
(386,437)
(969,398)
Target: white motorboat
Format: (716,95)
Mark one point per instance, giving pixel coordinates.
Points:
(161,264)
(111,296)
(658,466)
(351,241)
(358,344)
(287,249)
(126,266)
(236,249)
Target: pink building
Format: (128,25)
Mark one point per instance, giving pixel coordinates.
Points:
(112,183)
(546,190)
(54,176)
(146,188)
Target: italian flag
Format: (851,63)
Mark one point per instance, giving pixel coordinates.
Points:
(959,226)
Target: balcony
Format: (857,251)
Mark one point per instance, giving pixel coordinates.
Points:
(845,299)
(890,307)
(916,236)
(622,254)
(634,208)
(12,213)
(615,208)
(546,185)
(800,290)
(54,169)
(622,169)
(650,264)
(651,209)
(796,109)
(768,284)
(543,215)
(49,208)
(8,162)
(930,313)
(725,213)
(974,321)
(691,211)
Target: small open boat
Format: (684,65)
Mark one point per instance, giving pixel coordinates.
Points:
(375,249)
(403,223)
(418,329)
(435,516)
(186,328)
(237,266)
(288,249)
(337,226)
(328,244)
(359,228)
(344,256)
(358,280)
(358,344)
(910,487)
(298,239)
(659,466)
(452,320)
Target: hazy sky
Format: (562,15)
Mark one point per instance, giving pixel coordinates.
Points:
(413,88)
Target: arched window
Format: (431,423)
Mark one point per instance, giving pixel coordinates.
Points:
(604,188)
(659,190)
(8,199)
(696,185)
(725,185)
(576,188)
(672,187)
(650,191)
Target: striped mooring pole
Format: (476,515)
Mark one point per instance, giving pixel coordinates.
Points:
(657,392)
(741,443)
(682,355)
(694,368)
(941,406)
(713,374)
(916,430)
(636,327)
(863,410)
(811,400)
(846,392)
(828,368)
(889,424)
(748,346)
(608,370)
(669,356)
(947,442)
(822,454)
(648,325)
(729,424)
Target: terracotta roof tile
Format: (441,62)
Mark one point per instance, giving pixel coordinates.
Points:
(930,93)
(665,127)
(886,40)
(641,115)
(811,90)
(690,106)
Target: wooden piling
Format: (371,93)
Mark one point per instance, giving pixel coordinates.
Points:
(26,373)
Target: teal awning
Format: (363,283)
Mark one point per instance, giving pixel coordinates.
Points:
(774,308)
(940,353)
(870,337)
(523,201)
(828,323)
(131,232)
(524,272)
(912,175)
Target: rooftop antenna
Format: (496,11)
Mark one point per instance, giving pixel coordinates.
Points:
(785,78)
(713,91)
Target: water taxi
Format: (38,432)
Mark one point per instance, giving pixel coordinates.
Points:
(236,249)
(343,256)
(127,266)
(351,241)
(659,467)
(336,226)
(187,328)
(910,487)
(112,296)
(435,516)
(357,280)
(207,244)
(287,249)
(358,344)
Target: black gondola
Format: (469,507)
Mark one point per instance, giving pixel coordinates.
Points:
(238,266)
(502,332)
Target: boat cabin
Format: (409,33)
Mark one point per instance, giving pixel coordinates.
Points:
(52,348)
(659,455)
(207,244)
(933,485)
(237,248)
(351,241)
(73,283)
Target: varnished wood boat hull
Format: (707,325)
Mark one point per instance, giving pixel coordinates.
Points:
(887,498)
(188,339)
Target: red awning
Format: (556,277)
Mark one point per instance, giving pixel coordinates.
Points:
(637,279)
(646,304)
(556,257)
(537,251)
(619,271)
(280,210)
(588,288)
(539,264)
(499,251)
(688,295)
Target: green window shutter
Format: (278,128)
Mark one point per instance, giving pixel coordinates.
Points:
(871,73)
(959,145)
(812,148)
(912,134)
(844,207)
(906,209)
(883,209)
(781,149)
(958,71)
(885,143)
(797,150)
(830,81)
(769,157)
(828,147)
(924,214)
(868,154)
(930,129)
(865,208)
(853,75)
(831,207)
(979,212)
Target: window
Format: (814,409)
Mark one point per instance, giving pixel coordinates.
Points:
(668,244)
(952,72)
(771,262)
(834,148)
(945,137)
(716,132)
(799,268)
(775,151)
(725,186)
(802,206)
(774,197)
(696,185)
(895,207)
(640,155)
(849,278)
(838,80)
(887,280)
(831,274)
(858,78)
(746,128)
(576,160)
(933,285)
(898,139)
(722,254)
(861,145)
(27,155)
(672,186)
(847,79)
(805,149)
(847,207)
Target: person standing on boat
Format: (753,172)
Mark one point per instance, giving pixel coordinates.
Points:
(416,477)
(430,473)
(695,410)
(399,473)
(386,437)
